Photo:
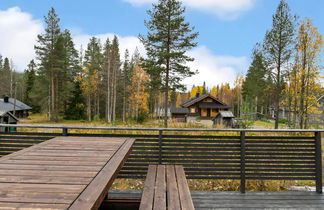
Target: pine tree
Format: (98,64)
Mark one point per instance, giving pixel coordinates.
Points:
(5,79)
(126,76)
(166,43)
(71,68)
(92,75)
(1,62)
(254,85)
(76,105)
(278,47)
(204,91)
(45,54)
(29,80)
(115,74)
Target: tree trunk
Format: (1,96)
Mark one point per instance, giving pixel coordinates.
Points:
(108,119)
(53,97)
(124,98)
(115,93)
(89,107)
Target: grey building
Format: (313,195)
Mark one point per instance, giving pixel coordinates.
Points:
(14,106)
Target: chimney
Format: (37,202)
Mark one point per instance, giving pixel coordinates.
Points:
(6,99)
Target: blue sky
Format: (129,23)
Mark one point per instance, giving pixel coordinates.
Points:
(228,28)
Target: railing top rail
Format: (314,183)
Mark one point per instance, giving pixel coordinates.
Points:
(154,129)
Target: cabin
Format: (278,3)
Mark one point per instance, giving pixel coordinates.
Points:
(7,118)
(318,117)
(14,106)
(313,118)
(224,118)
(202,108)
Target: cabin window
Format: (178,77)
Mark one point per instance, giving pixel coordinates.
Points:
(204,112)
(192,110)
(214,113)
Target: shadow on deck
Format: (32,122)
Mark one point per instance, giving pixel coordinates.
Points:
(129,200)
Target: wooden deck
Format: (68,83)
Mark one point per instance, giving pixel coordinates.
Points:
(166,187)
(204,200)
(62,173)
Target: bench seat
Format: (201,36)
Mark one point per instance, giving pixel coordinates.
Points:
(166,187)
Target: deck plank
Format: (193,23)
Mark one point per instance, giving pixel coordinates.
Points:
(97,190)
(148,191)
(207,200)
(172,189)
(184,192)
(160,189)
(62,173)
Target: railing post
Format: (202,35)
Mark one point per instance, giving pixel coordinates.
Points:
(318,159)
(242,138)
(160,146)
(65,132)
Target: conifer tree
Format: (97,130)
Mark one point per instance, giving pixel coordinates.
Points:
(254,85)
(126,76)
(107,78)
(1,62)
(115,74)
(45,54)
(29,80)
(92,75)
(5,79)
(166,43)
(278,47)
(75,109)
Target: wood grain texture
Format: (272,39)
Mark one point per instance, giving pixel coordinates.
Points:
(148,192)
(166,187)
(62,173)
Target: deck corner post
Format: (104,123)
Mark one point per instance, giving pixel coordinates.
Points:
(160,145)
(318,159)
(65,132)
(242,143)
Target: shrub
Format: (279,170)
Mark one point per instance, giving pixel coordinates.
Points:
(245,124)
(283,121)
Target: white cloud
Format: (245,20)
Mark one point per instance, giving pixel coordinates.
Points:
(127,42)
(18,35)
(214,69)
(225,9)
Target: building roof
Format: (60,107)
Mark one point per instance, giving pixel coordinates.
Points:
(199,98)
(175,110)
(226,114)
(2,113)
(6,107)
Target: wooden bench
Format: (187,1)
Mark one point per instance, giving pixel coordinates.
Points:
(166,187)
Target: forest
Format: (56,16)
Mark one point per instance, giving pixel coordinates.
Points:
(101,82)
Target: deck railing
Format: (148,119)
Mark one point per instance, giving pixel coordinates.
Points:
(241,154)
